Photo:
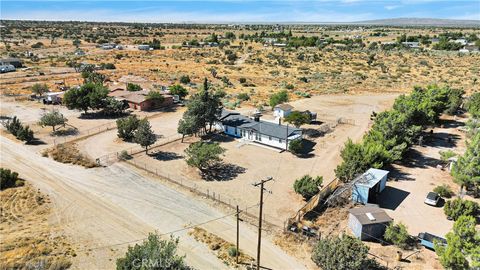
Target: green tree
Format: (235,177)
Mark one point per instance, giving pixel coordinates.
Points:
(25,134)
(278,98)
(144,134)
(112,106)
(459,207)
(88,96)
(53,118)
(39,89)
(155,96)
(297,118)
(295,146)
(132,87)
(187,126)
(463,245)
(398,235)
(153,254)
(9,179)
(126,127)
(466,171)
(204,155)
(307,186)
(341,253)
(178,90)
(473,105)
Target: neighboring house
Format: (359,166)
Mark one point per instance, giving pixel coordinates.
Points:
(281,45)
(411,44)
(461,41)
(79,53)
(143,47)
(138,100)
(470,48)
(17,63)
(369,185)
(368,222)
(255,130)
(282,110)
(107,46)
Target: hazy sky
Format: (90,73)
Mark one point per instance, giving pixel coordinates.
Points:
(238,10)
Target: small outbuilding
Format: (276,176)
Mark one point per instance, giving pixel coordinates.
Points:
(17,63)
(369,185)
(368,222)
(282,110)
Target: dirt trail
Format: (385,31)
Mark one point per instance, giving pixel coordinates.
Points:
(103,209)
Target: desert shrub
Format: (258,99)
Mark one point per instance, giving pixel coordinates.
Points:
(458,207)
(39,88)
(185,79)
(295,146)
(68,153)
(341,253)
(9,179)
(107,66)
(445,155)
(307,186)
(289,86)
(153,250)
(243,96)
(133,87)
(398,235)
(178,90)
(242,80)
(124,155)
(232,251)
(37,45)
(444,191)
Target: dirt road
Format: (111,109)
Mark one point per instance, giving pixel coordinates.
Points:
(105,209)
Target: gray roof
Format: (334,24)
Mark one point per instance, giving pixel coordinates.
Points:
(284,106)
(10,60)
(379,214)
(234,119)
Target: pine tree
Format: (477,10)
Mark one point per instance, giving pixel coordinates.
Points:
(144,134)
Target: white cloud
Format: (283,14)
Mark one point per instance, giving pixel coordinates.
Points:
(392,7)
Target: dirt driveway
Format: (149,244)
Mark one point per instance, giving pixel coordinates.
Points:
(105,209)
(403,199)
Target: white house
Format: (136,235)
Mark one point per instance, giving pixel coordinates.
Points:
(282,110)
(255,130)
(143,47)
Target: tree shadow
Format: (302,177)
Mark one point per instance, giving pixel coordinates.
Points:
(447,123)
(222,172)
(221,138)
(165,156)
(416,159)
(102,115)
(307,149)
(398,175)
(36,142)
(391,197)
(442,139)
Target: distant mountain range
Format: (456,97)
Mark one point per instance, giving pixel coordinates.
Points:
(420,22)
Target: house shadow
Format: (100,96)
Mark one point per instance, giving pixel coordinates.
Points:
(222,172)
(391,197)
(165,156)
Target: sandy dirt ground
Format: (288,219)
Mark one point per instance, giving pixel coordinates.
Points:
(250,163)
(105,209)
(420,175)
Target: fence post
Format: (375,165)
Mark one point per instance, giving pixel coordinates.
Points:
(156,171)
(208,194)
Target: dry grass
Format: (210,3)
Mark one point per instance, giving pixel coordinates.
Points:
(28,240)
(220,247)
(68,153)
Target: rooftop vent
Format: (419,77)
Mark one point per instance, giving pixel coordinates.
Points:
(370,216)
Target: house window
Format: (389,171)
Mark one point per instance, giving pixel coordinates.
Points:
(269,138)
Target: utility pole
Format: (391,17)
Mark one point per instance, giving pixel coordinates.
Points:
(262,182)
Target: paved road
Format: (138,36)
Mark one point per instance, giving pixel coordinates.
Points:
(104,208)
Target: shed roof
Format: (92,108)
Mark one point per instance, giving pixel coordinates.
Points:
(371,177)
(284,107)
(10,60)
(379,215)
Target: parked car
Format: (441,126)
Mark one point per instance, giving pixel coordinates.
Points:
(427,240)
(432,199)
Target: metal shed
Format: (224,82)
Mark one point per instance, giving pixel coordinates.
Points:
(369,185)
(368,222)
